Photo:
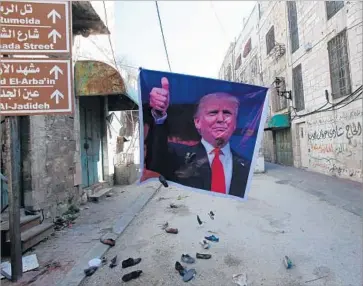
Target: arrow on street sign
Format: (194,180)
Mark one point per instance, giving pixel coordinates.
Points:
(54,14)
(57,94)
(56,70)
(54,34)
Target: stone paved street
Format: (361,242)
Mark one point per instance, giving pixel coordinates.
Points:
(322,237)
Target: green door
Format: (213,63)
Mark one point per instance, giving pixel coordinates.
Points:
(91,149)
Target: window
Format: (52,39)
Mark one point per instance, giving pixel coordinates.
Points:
(270,39)
(332,7)
(339,65)
(294,31)
(247,48)
(298,88)
(238,62)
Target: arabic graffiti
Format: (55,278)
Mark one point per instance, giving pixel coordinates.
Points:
(334,168)
(337,117)
(350,130)
(353,129)
(327,133)
(14,8)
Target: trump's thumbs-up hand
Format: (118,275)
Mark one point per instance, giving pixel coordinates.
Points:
(159,97)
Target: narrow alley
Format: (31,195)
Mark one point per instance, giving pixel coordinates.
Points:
(167,143)
(281,217)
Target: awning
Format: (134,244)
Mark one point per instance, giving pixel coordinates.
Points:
(94,78)
(278,121)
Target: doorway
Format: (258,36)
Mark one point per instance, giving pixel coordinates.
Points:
(303,142)
(283,147)
(91,110)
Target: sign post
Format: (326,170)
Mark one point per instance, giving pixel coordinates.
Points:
(31,86)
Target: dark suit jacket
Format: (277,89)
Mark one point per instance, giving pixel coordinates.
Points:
(189,165)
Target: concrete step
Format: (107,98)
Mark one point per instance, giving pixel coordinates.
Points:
(34,235)
(100,194)
(26,222)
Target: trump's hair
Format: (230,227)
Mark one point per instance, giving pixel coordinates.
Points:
(217,95)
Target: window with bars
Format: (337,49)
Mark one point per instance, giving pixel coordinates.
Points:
(339,65)
(270,39)
(298,88)
(332,7)
(293,27)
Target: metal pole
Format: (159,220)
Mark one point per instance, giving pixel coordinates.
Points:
(13,173)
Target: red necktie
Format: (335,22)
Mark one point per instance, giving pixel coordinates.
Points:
(218,181)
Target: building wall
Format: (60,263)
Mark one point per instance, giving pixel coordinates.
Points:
(52,171)
(334,143)
(249,71)
(329,142)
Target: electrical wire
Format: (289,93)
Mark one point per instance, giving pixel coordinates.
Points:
(109,36)
(356,93)
(162,34)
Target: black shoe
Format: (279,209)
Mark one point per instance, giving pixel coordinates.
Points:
(203,256)
(89,271)
(130,262)
(179,268)
(131,275)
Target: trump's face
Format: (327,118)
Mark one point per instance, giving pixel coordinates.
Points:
(216,120)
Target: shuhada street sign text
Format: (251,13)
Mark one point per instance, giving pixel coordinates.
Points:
(34,27)
(30,87)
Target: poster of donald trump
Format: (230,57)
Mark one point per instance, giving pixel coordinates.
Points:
(200,133)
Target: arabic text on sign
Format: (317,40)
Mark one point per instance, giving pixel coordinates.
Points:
(24,10)
(26,94)
(9,68)
(21,37)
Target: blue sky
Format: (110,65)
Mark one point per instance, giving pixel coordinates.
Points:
(197,39)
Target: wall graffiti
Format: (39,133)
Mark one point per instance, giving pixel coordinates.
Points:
(350,130)
(326,133)
(353,129)
(335,144)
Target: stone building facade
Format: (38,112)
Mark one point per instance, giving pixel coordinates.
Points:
(53,156)
(310,55)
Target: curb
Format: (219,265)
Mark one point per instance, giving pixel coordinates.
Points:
(76,275)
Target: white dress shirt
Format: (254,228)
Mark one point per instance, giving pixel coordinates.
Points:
(226,159)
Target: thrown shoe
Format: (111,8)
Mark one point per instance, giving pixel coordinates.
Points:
(187,259)
(108,241)
(130,262)
(171,230)
(179,268)
(189,275)
(212,238)
(89,271)
(203,256)
(113,262)
(204,244)
(131,275)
